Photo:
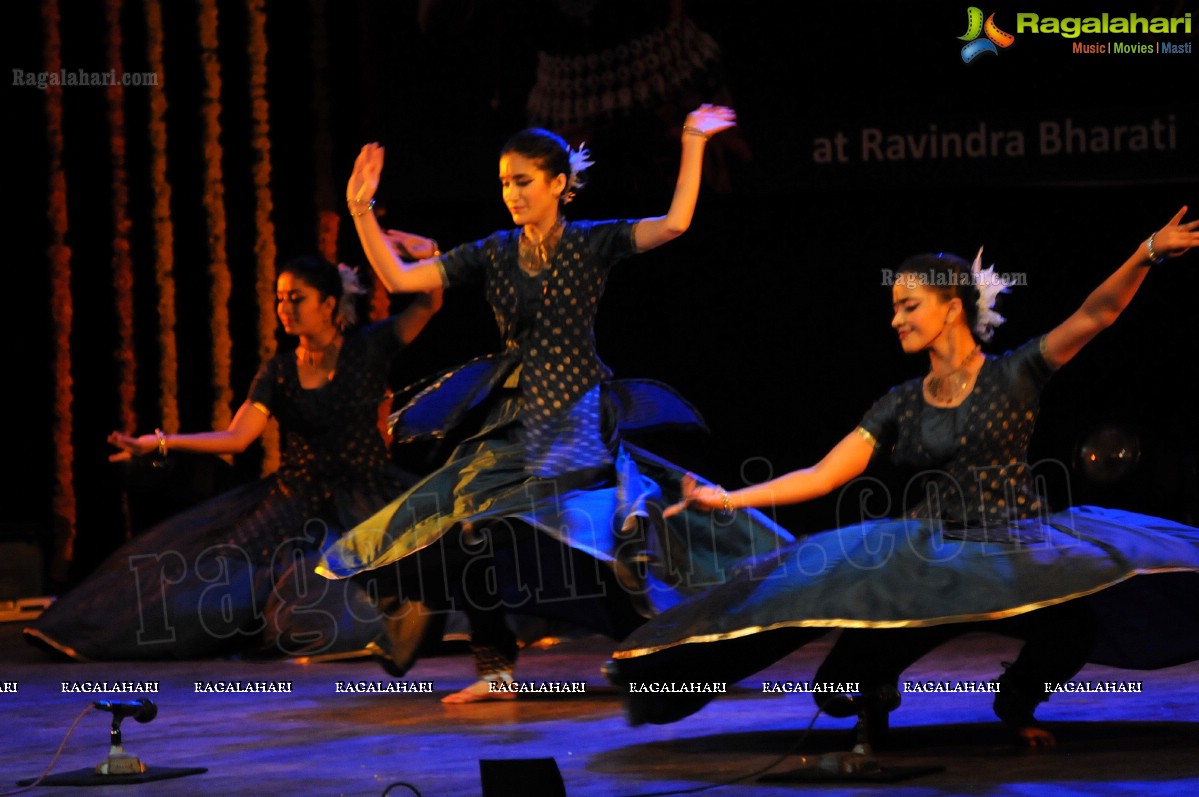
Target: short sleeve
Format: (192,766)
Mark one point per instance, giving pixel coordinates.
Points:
(880,422)
(465,264)
(1029,366)
(381,341)
(264,389)
(612,241)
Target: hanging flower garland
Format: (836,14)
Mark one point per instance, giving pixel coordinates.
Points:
(122,263)
(264,246)
(164,228)
(214,205)
(61,308)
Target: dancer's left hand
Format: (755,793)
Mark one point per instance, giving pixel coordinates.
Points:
(1177,237)
(697,496)
(711,119)
(410,246)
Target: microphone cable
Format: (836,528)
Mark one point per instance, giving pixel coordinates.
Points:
(57,755)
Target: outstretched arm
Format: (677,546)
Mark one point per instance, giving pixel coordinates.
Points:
(846,461)
(1104,305)
(247,426)
(702,123)
(399,277)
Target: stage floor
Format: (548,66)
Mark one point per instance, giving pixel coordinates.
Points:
(315,740)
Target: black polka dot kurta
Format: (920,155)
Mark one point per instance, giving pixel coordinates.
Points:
(549,453)
(970,540)
(972,458)
(547,323)
(210,580)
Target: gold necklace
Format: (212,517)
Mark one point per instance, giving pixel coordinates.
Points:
(535,252)
(317,358)
(955,381)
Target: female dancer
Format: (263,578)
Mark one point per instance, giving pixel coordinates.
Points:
(543,507)
(978,550)
(218,577)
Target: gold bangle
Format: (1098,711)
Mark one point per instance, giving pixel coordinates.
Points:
(365,206)
(162,443)
(726,507)
(1154,257)
(689,130)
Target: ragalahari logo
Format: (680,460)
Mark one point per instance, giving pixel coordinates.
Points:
(975,27)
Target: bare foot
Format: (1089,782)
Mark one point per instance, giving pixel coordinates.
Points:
(1036,738)
(482,690)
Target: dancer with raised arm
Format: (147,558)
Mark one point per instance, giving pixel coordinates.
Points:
(977,549)
(544,508)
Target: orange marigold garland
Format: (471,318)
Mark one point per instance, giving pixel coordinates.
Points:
(164,228)
(214,205)
(264,245)
(60,306)
(122,262)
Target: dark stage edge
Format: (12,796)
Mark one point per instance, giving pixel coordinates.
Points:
(317,741)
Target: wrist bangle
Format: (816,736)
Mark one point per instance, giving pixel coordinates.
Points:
(359,207)
(726,505)
(162,443)
(689,130)
(1154,257)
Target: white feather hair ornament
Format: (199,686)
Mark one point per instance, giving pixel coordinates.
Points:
(580,161)
(989,286)
(351,289)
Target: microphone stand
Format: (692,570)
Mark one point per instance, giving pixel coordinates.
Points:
(120,762)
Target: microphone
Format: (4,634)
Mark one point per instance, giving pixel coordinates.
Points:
(142,710)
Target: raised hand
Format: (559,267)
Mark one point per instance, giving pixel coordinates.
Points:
(1174,239)
(364,180)
(710,119)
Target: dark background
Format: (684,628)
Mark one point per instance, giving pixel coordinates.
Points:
(768,314)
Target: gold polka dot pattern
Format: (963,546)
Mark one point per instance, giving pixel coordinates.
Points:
(970,461)
(548,320)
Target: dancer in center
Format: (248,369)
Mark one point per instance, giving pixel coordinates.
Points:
(543,507)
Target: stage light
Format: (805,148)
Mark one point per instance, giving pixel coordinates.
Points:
(1109,454)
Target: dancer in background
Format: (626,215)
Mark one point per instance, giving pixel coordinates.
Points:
(975,549)
(220,577)
(544,508)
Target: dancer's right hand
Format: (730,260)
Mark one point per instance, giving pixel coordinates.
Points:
(131,446)
(364,180)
